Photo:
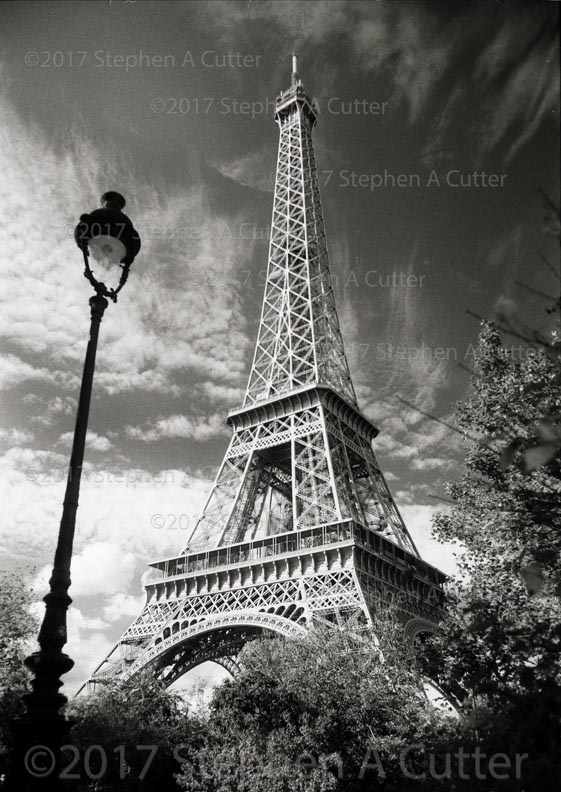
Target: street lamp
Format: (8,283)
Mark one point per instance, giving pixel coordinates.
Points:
(109,238)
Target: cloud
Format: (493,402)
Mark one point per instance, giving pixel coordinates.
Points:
(29,461)
(101,568)
(169,327)
(222,394)
(432,463)
(410,44)
(116,535)
(420,445)
(413,41)
(122,606)
(521,64)
(165,325)
(303,22)
(340,262)
(116,506)
(197,686)
(437,148)
(94,441)
(15,436)
(87,648)
(504,259)
(256,170)
(406,363)
(53,409)
(512,77)
(201,428)
(179,329)
(14,371)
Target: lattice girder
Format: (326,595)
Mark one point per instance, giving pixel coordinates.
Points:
(326,469)
(299,523)
(299,341)
(349,570)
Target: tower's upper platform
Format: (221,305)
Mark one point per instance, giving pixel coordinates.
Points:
(295,97)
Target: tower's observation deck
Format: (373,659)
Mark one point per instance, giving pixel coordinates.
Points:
(295,99)
(299,523)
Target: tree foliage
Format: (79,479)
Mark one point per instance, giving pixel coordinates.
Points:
(502,639)
(17,629)
(138,729)
(336,710)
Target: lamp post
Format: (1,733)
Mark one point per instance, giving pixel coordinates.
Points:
(108,236)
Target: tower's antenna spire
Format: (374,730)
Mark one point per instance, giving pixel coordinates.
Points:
(295,78)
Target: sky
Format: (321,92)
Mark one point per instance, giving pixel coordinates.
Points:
(438,125)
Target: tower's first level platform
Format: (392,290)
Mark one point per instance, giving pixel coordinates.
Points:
(206,605)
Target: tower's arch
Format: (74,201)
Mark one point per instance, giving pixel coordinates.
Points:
(418,626)
(218,639)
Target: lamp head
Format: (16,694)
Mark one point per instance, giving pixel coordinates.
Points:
(109,237)
(108,233)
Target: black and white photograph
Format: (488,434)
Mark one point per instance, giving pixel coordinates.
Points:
(280,373)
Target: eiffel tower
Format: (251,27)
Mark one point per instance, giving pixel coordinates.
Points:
(299,526)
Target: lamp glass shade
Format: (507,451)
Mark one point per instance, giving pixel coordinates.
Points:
(106,249)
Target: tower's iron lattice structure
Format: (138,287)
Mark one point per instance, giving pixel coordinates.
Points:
(299,524)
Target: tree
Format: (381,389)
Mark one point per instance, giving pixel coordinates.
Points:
(17,629)
(338,709)
(129,736)
(522,506)
(126,736)
(502,640)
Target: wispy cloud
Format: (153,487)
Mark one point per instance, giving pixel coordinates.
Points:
(14,371)
(513,79)
(520,65)
(165,323)
(405,363)
(256,170)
